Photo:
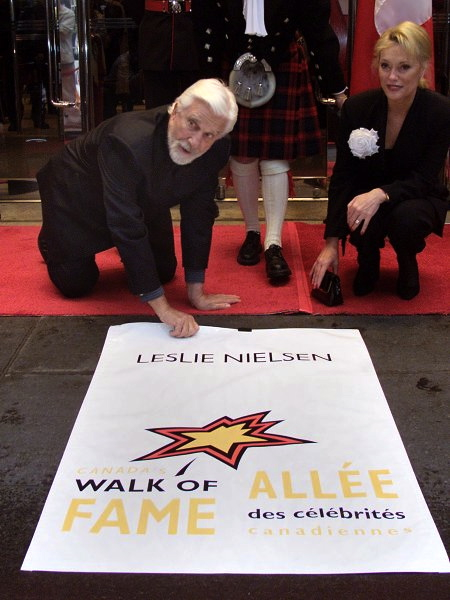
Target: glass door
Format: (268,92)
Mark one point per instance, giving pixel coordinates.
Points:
(62,22)
(65,65)
(76,59)
(39,60)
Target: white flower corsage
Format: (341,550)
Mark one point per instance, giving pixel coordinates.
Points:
(363,142)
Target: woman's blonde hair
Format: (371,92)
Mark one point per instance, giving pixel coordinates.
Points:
(414,40)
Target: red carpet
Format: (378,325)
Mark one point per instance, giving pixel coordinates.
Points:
(433,268)
(27,290)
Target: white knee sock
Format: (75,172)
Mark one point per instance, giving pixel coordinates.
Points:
(246,185)
(275,191)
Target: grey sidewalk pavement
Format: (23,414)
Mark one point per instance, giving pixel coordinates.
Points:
(46,364)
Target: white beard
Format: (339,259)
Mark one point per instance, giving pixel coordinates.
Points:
(176,153)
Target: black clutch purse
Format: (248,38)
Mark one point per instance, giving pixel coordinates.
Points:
(329,292)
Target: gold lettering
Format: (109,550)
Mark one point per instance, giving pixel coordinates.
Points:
(195,515)
(148,508)
(262,485)
(378,483)
(114,506)
(347,485)
(317,487)
(287,486)
(74,512)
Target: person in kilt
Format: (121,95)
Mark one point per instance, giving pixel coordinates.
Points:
(285,33)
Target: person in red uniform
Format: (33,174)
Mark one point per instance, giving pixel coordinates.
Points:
(168,53)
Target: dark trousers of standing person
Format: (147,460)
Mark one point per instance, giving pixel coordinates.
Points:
(163,87)
(406,225)
(77,277)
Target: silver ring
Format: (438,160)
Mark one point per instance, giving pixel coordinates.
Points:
(357,221)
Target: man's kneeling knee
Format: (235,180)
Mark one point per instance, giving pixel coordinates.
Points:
(74,278)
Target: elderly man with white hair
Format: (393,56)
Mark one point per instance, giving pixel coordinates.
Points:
(115,186)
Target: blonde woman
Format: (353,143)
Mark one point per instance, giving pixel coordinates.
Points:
(386,182)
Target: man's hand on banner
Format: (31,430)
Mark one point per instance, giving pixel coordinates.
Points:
(202,301)
(182,324)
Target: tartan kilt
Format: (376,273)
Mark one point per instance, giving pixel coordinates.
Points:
(287,126)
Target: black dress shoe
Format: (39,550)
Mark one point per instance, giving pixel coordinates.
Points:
(368,272)
(277,269)
(250,249)
(408,285)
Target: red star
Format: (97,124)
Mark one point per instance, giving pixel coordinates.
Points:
(224,439)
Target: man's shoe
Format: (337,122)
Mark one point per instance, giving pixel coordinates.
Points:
(250,250)
(277,268)
(368,272)
(408,285)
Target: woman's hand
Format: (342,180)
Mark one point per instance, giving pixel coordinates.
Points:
(362,208)
(182,324)
(329,257)
(203,301)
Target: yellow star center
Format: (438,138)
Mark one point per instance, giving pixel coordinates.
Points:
(222,438)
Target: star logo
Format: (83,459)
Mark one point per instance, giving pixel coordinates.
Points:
(225,439)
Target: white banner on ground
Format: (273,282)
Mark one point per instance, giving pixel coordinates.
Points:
(270,451)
